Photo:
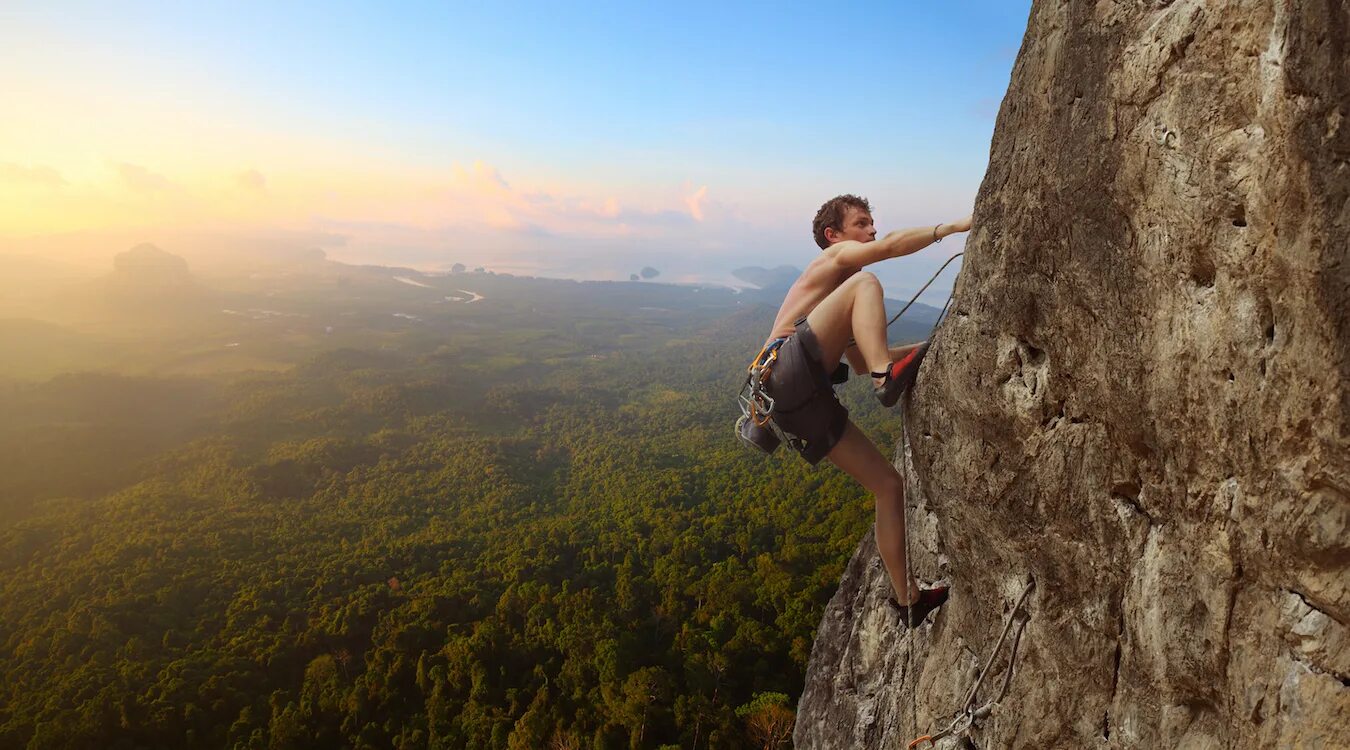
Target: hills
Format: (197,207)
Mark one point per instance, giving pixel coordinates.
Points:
(372,507)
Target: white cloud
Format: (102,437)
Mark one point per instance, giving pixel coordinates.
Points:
(695,203)
(470,213)
(483,178)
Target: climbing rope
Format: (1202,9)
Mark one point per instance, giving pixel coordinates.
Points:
(924,288)
(969,714)
(904,437)
(909,571)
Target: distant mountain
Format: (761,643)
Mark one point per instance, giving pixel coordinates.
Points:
(768,278)
(649,273)
(148,266)
(918,313)
(147,286)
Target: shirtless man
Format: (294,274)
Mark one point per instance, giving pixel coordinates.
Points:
(831,305)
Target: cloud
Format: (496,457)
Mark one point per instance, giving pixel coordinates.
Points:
(480,196)
(32,176)
(251,180)
(467,211)
(501,217)
(695,203)
(482,178)
(142,180)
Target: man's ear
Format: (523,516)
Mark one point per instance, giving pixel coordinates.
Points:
(831,235)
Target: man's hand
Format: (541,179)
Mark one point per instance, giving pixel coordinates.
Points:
(946,230)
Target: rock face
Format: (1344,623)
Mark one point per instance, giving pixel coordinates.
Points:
(1140,401)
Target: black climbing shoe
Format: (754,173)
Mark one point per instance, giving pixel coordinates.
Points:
(929,600)
(899,377)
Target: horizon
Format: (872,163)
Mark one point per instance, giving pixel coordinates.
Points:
(592,145)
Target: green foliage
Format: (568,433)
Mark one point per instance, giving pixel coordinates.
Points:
(768,719)
(386,549)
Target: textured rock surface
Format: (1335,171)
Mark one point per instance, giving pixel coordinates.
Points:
(1140,400)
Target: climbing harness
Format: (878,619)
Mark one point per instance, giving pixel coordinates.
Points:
(761,403)
(969,713)
(755,426)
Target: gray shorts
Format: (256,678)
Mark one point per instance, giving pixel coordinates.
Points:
(805,406)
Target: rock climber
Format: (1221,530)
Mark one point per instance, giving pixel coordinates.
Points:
(835,310)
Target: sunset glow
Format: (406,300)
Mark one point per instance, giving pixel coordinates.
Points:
(490,135)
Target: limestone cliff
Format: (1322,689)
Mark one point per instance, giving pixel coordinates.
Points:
(1139,401)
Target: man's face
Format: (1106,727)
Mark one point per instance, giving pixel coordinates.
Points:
(857,227)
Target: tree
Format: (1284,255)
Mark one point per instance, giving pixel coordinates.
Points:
(532,727)
(643,687)
(768,719)
(564,741)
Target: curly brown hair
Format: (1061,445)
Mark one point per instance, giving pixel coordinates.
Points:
(832,215)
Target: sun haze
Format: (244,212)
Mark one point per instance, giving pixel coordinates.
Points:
(564,141)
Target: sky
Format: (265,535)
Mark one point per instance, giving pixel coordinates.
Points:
(571,140)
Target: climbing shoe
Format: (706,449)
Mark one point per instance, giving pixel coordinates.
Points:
(899,377)
(929,600)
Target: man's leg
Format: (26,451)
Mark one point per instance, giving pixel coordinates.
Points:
(860,459)
(855,309)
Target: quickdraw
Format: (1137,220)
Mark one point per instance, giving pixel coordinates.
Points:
(970,713)
(757,404)
(755,427)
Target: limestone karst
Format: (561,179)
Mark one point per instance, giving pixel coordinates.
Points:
(1139,400)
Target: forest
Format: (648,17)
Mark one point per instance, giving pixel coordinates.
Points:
(518,523)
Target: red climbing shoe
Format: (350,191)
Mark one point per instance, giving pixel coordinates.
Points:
(929,600)
(899,377)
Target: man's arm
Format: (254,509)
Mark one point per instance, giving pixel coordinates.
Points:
(854,255)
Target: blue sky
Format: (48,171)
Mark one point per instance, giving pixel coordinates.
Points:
(594,127)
